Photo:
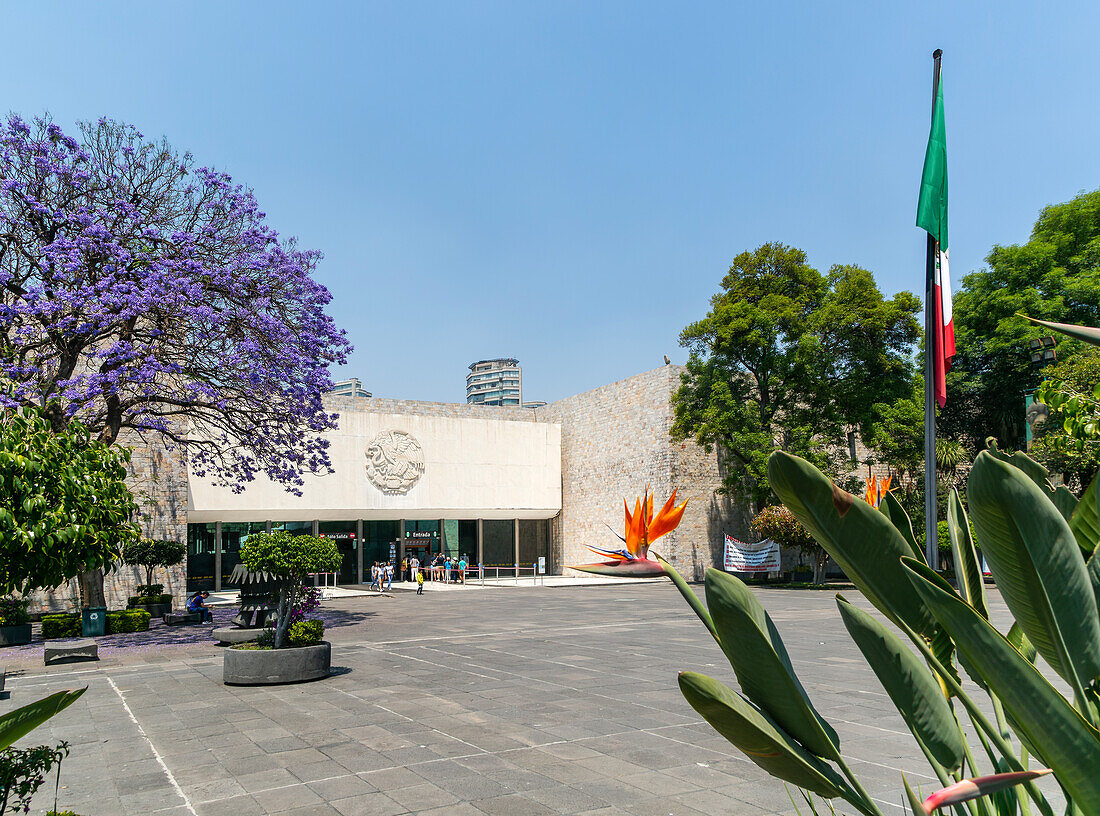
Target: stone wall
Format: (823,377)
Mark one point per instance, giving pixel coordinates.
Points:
(615,442)
(158,480)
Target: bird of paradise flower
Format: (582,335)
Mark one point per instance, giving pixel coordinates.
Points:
(876,490)
(643,527)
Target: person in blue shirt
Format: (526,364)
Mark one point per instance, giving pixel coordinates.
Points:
(447,570)
(462,569)
(196,604)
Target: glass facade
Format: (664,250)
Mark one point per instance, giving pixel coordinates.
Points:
(424,538)
(343,533)
(234,534)
(534,541)
(200,556)
(497,543)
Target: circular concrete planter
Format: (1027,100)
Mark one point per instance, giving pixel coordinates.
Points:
(226,635)
(15,635)
(266,667)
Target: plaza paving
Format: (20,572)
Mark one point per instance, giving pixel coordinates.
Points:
(477,703)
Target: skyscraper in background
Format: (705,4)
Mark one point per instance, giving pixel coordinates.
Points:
(495,382)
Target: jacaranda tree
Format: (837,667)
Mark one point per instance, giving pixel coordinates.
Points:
(140,291)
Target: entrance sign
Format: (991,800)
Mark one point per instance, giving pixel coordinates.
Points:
(743,557)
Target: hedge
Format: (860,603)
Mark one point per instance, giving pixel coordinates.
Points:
(141,600)
(61,626)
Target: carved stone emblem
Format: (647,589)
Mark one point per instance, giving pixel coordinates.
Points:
(395,462)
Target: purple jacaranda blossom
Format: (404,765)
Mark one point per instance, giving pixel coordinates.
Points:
(140,291)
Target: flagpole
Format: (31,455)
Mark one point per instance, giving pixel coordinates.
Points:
(931,537)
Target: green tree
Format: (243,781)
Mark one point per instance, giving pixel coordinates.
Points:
(290,559)
(792,359)
(1054,276)
(64,505)
(1068,440)
(152,553)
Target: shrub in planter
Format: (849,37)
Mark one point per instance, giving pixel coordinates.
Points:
(13,612)
(291,559)
(306,632)
(61,626)
(135,601)
(15,622)
(134,620)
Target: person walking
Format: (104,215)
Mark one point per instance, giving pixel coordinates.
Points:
(420,582)
(374,584)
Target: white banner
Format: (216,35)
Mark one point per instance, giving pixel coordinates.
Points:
(760,557)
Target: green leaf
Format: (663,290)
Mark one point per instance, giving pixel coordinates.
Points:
(755,650)
(1065,501)
(1020,460)
(1019,640)
(1085,521)
(1053,728)
(689,595)
(18,723)
(759,738)
(911,686)
(1038,567)
(1085,333)
(915,803)
(967,567)
(865,544)
(892,509)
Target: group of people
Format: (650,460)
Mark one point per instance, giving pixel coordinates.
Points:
(381,573)
(445,568)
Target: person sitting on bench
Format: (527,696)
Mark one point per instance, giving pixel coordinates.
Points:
(196,605)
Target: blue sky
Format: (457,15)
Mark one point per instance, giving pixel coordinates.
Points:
(567,182)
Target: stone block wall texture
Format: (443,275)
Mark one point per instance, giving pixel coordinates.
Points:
(158,480)
(615,442)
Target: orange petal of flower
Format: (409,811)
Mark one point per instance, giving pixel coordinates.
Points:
(635,528)
(668,519)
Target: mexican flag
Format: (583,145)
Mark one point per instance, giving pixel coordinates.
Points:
(932,216)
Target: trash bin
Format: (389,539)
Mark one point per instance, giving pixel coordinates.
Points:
(94,620)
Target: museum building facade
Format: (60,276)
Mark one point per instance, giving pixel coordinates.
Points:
(501,485)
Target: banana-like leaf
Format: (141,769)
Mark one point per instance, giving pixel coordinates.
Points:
(1020,460)
(865,544)
(689,595)
(913,690)
(1038,567)
(755,650)
(1085,521)
(1024,646)
(16,724)
(1093,567)
(1065,501)
(967,567)
(1053,728)
(761,740)
(1085,333)
(892,509)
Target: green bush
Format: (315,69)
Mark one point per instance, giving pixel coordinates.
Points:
(306,632)
(13,612)
(143,600)
(134,620)
(60,626)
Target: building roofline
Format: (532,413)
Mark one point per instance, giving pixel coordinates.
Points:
(510,360)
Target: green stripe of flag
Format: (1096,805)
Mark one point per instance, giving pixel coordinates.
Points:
(932,206)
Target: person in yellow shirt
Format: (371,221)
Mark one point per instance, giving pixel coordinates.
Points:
(420,582)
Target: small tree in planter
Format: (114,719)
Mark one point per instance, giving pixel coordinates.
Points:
(290,559)
(779,524)
(150,554)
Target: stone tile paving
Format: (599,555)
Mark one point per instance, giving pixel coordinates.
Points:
(511,701)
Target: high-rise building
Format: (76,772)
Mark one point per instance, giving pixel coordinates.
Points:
(349,388)
(495,382)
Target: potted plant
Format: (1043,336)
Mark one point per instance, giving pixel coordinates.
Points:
(15,622)
(150,554)
(292,651)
